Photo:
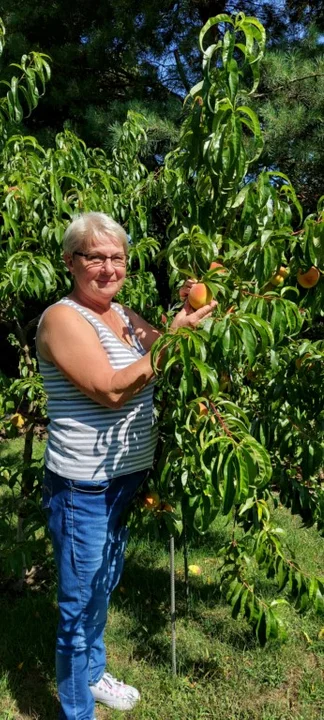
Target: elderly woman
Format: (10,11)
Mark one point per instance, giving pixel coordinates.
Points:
(95,358)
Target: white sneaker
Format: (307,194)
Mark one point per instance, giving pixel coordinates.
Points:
(114,693)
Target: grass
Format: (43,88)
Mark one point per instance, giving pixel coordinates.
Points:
(222,672)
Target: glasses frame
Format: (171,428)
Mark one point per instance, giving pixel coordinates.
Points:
(107,257)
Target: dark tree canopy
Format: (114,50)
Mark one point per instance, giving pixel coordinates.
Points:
(109,56)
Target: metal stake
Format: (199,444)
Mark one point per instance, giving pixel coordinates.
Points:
(173,628)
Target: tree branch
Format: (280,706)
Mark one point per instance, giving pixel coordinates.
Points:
(181,71)
(289,82)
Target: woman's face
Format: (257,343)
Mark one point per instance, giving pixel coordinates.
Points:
(101,274)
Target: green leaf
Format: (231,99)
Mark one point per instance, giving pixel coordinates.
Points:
(229,474)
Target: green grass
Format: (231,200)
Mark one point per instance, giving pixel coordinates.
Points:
(13,449)
(222,672)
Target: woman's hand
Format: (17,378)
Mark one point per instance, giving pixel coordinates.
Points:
(190,318)
(185,289)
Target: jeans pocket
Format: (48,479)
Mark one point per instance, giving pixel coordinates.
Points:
(89,487)
(47,490)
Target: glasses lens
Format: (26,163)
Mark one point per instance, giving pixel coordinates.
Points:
(97,260)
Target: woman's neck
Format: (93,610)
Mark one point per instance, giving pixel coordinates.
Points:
(99,307)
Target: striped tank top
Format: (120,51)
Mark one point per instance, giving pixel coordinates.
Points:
(87,441)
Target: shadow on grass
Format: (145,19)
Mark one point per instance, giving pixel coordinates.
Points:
(28,628)
(146,598)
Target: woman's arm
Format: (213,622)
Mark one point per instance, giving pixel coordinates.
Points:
(70,342)
(145,332)
(186,317)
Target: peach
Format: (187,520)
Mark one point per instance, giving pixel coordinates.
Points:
(166,507)
(309,278)
(215,265)
(152,501)
(199,295)
(279,277)
(194,570)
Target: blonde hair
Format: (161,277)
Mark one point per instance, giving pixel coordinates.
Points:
(90,226)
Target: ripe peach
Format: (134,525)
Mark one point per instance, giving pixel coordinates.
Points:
(194,569)
(279,277)
(308,279)
(152,501)
(215,265)
(199,295)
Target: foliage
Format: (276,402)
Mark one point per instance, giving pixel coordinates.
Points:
(266,432)
(255,365)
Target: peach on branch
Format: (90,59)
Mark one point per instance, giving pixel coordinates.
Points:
(280,276)
(217,266)
(203,411)
(152,501)
(199,295)
(309,278)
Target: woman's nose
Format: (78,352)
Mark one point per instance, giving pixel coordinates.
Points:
(111,266)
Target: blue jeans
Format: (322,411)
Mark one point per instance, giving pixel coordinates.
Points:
(89,545)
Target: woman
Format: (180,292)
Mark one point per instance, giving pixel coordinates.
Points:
(94,356)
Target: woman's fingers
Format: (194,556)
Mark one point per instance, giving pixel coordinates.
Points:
(204,312)
(185,289)
(187,317)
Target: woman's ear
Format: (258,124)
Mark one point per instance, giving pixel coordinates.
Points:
(68,259)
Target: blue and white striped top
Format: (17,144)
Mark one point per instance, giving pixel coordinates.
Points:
(88,441)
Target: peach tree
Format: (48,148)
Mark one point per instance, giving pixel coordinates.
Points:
(242,421)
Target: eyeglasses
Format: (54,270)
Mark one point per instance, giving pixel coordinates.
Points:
(94,260)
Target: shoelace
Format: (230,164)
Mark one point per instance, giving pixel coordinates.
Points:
(111,682)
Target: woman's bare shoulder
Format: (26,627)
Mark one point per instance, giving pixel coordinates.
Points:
(59,312)
(62,325)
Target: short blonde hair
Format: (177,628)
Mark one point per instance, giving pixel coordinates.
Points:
(90,226)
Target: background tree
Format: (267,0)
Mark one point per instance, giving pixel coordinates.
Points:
(109,55)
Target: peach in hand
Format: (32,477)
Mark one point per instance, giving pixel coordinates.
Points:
(199,296)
